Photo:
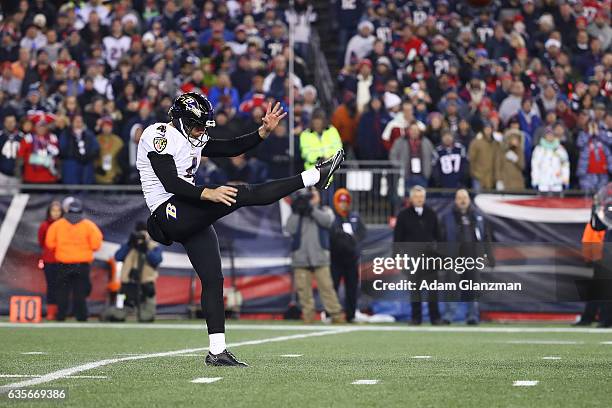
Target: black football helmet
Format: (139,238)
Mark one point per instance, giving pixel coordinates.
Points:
(190,111)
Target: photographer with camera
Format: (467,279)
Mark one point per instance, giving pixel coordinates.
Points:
(309,226)
(140,256)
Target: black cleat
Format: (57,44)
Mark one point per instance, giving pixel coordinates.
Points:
(327,169)
(224,359)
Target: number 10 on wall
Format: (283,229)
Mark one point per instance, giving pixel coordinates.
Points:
(25,309)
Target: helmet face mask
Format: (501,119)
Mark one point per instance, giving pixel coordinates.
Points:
(192,111)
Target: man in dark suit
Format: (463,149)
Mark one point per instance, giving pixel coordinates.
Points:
(418,225)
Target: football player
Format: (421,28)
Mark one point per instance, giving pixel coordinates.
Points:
(167,160)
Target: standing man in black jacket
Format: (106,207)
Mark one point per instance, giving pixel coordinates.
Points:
(418,225)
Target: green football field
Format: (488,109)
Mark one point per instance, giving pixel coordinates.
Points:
(132,365)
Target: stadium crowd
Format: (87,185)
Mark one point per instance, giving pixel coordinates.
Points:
(515,95)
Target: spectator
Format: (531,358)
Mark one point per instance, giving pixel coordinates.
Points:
(49,263)
(435,127)
(309,226)
(242,76)
(116,44)
(274,152)
(346,236)
(412,45)
(107,166)
(467,234)
(371,124)
(224,95)
(10,140)
(511,162)
(302,16)
(38,154)
(464,132)
(511,105)
(417,228)
(361,44)
(600,28)
(319,141)
(310,102)
(595,158)
(529,121)
(345,119)
(547,99)
(347,16)
(483,154)
(416,154)
(78,151)
(33,39)
(73,240)
(274,83)
(450,163)
(140,257)
(364,84)
(209,173)
(243,171)
(550,169)
(497,46)
(396,128)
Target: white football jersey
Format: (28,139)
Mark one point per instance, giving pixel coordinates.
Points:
(114,48)
(164,139)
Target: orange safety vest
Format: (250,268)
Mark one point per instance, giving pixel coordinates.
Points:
(592,243)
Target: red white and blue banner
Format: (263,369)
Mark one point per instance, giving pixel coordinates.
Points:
(260,268)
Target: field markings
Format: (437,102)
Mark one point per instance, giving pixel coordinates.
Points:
(365,382)
(206,380)
(291,355)
(31,353)
(95,377)
(606,342)
(70,371)
(11,221)
(551,358)
(421,357)
(179,355)
(311,327)
(558,342)
(523,383)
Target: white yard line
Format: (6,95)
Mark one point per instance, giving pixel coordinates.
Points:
(55,375)
(523,383)
(421,357)
(206,380)
(38,376)
(291,355)
(365,382)
(31,353)
(551,358)
(298,327)
(559,342)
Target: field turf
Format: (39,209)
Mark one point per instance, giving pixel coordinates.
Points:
(154,365)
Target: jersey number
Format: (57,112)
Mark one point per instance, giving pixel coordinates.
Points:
(450,163)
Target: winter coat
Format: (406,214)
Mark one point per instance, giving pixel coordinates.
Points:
(511,163)
(483,155)
(550,168)
(400,153)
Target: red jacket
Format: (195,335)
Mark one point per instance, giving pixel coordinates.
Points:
(47,254)
(40,158)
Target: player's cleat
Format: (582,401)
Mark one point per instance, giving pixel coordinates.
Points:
(223,359)
(327,169)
